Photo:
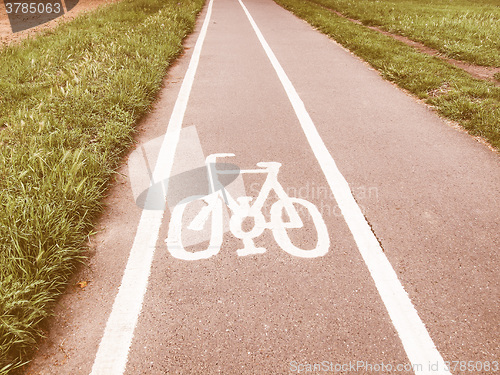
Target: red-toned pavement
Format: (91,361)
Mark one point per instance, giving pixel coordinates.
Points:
(391,267)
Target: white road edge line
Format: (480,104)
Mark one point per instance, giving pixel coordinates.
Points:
(111,357)
(417,342)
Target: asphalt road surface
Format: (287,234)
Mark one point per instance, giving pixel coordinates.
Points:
(368,242)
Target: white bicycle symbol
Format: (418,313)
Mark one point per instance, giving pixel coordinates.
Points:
(241,210)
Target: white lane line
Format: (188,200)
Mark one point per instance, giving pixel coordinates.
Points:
(418,345)
(111,358)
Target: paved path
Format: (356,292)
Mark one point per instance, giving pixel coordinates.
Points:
(399,267)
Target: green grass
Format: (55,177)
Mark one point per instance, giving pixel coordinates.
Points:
(466,30)
(68,103)
(475,104)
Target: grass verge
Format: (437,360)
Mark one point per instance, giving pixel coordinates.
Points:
(462,29)
(473,103)
(68,103)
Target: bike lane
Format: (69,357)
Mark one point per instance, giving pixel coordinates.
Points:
(262,313)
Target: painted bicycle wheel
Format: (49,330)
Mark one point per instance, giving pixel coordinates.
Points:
(183,215)
(279,229)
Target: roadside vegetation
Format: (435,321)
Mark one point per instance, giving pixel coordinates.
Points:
(473,103)
(466,30)
(68,103)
